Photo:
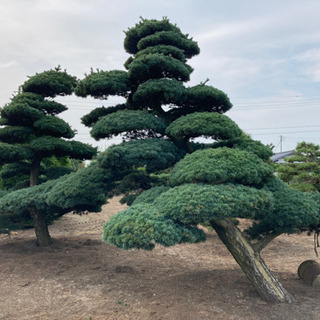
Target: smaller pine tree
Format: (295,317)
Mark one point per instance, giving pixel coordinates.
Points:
(31,133)
(302,170)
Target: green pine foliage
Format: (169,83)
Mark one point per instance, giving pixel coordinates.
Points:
(141,226)
(78,191)
(92,117)
(13,153)
(207,98)
(149,196)
(126,121)
(293,211)
(144,28)
(222,165)
(156,92)
(20,114)
(101,84)
(214,125)
(166,50)
(32,131)
(82,190)
(50,83)
(13,174)
(302,170)
(15,134)
(153,154)
(189,47)
(199,203)
(53,126)
(157,65)
(254,146)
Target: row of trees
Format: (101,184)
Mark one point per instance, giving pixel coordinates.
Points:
(174,184)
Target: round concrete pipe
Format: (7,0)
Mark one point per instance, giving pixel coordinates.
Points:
(309,272)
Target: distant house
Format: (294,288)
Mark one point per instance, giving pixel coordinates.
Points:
(278,157)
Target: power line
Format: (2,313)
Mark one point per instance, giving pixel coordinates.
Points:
(314,125)
(288,132)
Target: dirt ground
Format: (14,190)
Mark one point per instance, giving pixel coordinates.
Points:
(81,278)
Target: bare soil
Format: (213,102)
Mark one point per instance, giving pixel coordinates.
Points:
(81,278)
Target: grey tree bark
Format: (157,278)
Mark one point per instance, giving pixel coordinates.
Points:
(263,280)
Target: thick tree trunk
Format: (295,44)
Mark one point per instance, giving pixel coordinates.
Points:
(41,228)
(39,222)
(34,173)
(266,284)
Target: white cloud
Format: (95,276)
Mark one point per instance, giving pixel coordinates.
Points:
(8,64)
(311,60)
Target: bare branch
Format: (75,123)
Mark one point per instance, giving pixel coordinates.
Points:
(263,242)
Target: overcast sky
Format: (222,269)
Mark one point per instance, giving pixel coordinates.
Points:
(264,54)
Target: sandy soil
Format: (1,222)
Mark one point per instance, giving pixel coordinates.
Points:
(81,278)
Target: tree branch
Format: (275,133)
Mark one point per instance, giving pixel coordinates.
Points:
(263,242)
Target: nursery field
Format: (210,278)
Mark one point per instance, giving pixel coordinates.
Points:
(81,278)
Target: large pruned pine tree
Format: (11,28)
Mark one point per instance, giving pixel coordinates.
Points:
(31,132)
(215,183)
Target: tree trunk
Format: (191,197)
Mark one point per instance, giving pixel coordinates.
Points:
(34,173)
(266,284)
(39,222)
(41,228)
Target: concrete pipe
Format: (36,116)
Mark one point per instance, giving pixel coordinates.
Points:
(309,272)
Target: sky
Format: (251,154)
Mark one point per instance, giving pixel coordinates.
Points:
(265,55)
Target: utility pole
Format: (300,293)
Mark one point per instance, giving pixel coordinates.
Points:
(281,143)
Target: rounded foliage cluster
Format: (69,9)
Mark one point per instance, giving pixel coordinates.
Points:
(190,48)
(214,125)
(154,66)
(293,210)
(20,114)
(126,121)
(50,83)
(101,84)
(149,196)
(262,151)
(153,154)
(10,153)
(222,165)
(142,226)
(54,126)
(38,102)
(12,134)
(207,98)
(82,190)
(199,203)
(157,92)
(148,33)
(166,50)
(92,117)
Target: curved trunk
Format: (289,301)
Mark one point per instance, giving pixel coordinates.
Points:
(266,284)
(40,227)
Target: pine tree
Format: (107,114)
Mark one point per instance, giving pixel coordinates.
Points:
(32,133)
(213,183)
(302,170)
